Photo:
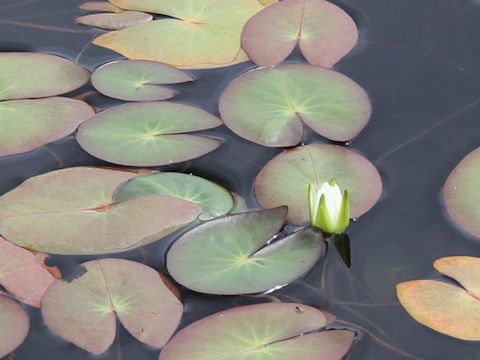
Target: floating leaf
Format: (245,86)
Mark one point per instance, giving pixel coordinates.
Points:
(240,204)
(148,134)
(285,179)
(233,255)
(137,80)
(269,106)
(214,199)
(32,75)
(324,32)
(444,307)
(261,332)
(115,21)
(14,325)
(102,6)
(84,310)
(29,124)
(71,211)
(201,33)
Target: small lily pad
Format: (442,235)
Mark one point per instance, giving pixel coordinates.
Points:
(214,199)
(115,21)
(14,325)
(72,212)
(148,134)
(324,32)
(270,106)
(279,331)
(84,311)
(33,75)
(137,80)
(101,6)
(234,255)
(285,179)
(29,124)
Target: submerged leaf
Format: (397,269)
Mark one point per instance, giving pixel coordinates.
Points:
(14,325)
(102,6)
(115,21)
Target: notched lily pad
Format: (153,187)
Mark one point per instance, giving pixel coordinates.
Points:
(285,179)
(72,211)
(84,311)
(14,325)
(270,106)
(137,80)
(279,331)
(102,6)
(235,255)
(115,21)
(148,134)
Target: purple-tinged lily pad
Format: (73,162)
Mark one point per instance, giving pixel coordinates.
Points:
(148,134)
(115,21)
(72,211)
(29,124)
(280,331)
(234,254)
(324,32)
(101,6)
(137,80)
(285,179)
(32,75)
(84,311)
(14,325)
(270,106)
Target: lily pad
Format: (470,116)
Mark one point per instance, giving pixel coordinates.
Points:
(279,331)
(444,307)
(200,34)
(240,204)
(29,124)
(115,21)
(137,80)
(148,134)
(324,32)
(14,325)
(84,311)
(235,255)
(29,75)
(102,6)
(270,106)
(285,179)
(71,211)
(214,199)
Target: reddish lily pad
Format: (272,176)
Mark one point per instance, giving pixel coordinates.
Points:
(14,325)
(148,134)
(72,211)
(137,80)
(261,332)
(270,106)
(101,6)
(29,75)
(115,21)
(84,311)
(29,124)
(285,179)
(324,32)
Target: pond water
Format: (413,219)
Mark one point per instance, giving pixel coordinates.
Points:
(419,60)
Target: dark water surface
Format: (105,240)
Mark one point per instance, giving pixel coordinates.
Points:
(420,62)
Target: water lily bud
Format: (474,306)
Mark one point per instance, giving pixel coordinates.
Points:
(329,208)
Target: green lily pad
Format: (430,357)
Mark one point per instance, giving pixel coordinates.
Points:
(214,199)
(33,75)
(148,134)
(261,332)
(72,212)
(102,6)
(137,80)
(285,179)
(234,255)
(270,106)
(14,325)
(240,204)
(29,124)
(324,32)
(115,21)
(84,311)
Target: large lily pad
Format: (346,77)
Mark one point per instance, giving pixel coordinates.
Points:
(444,307)
(28,124)
(72,211)
(261,332)
(148,134)
(233,255)
(200,33)
(14,325)
(137,80)
(115,21)
(285,179)
(84,311)
(324,32)
(270,106)
(33,75)
(214,199)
